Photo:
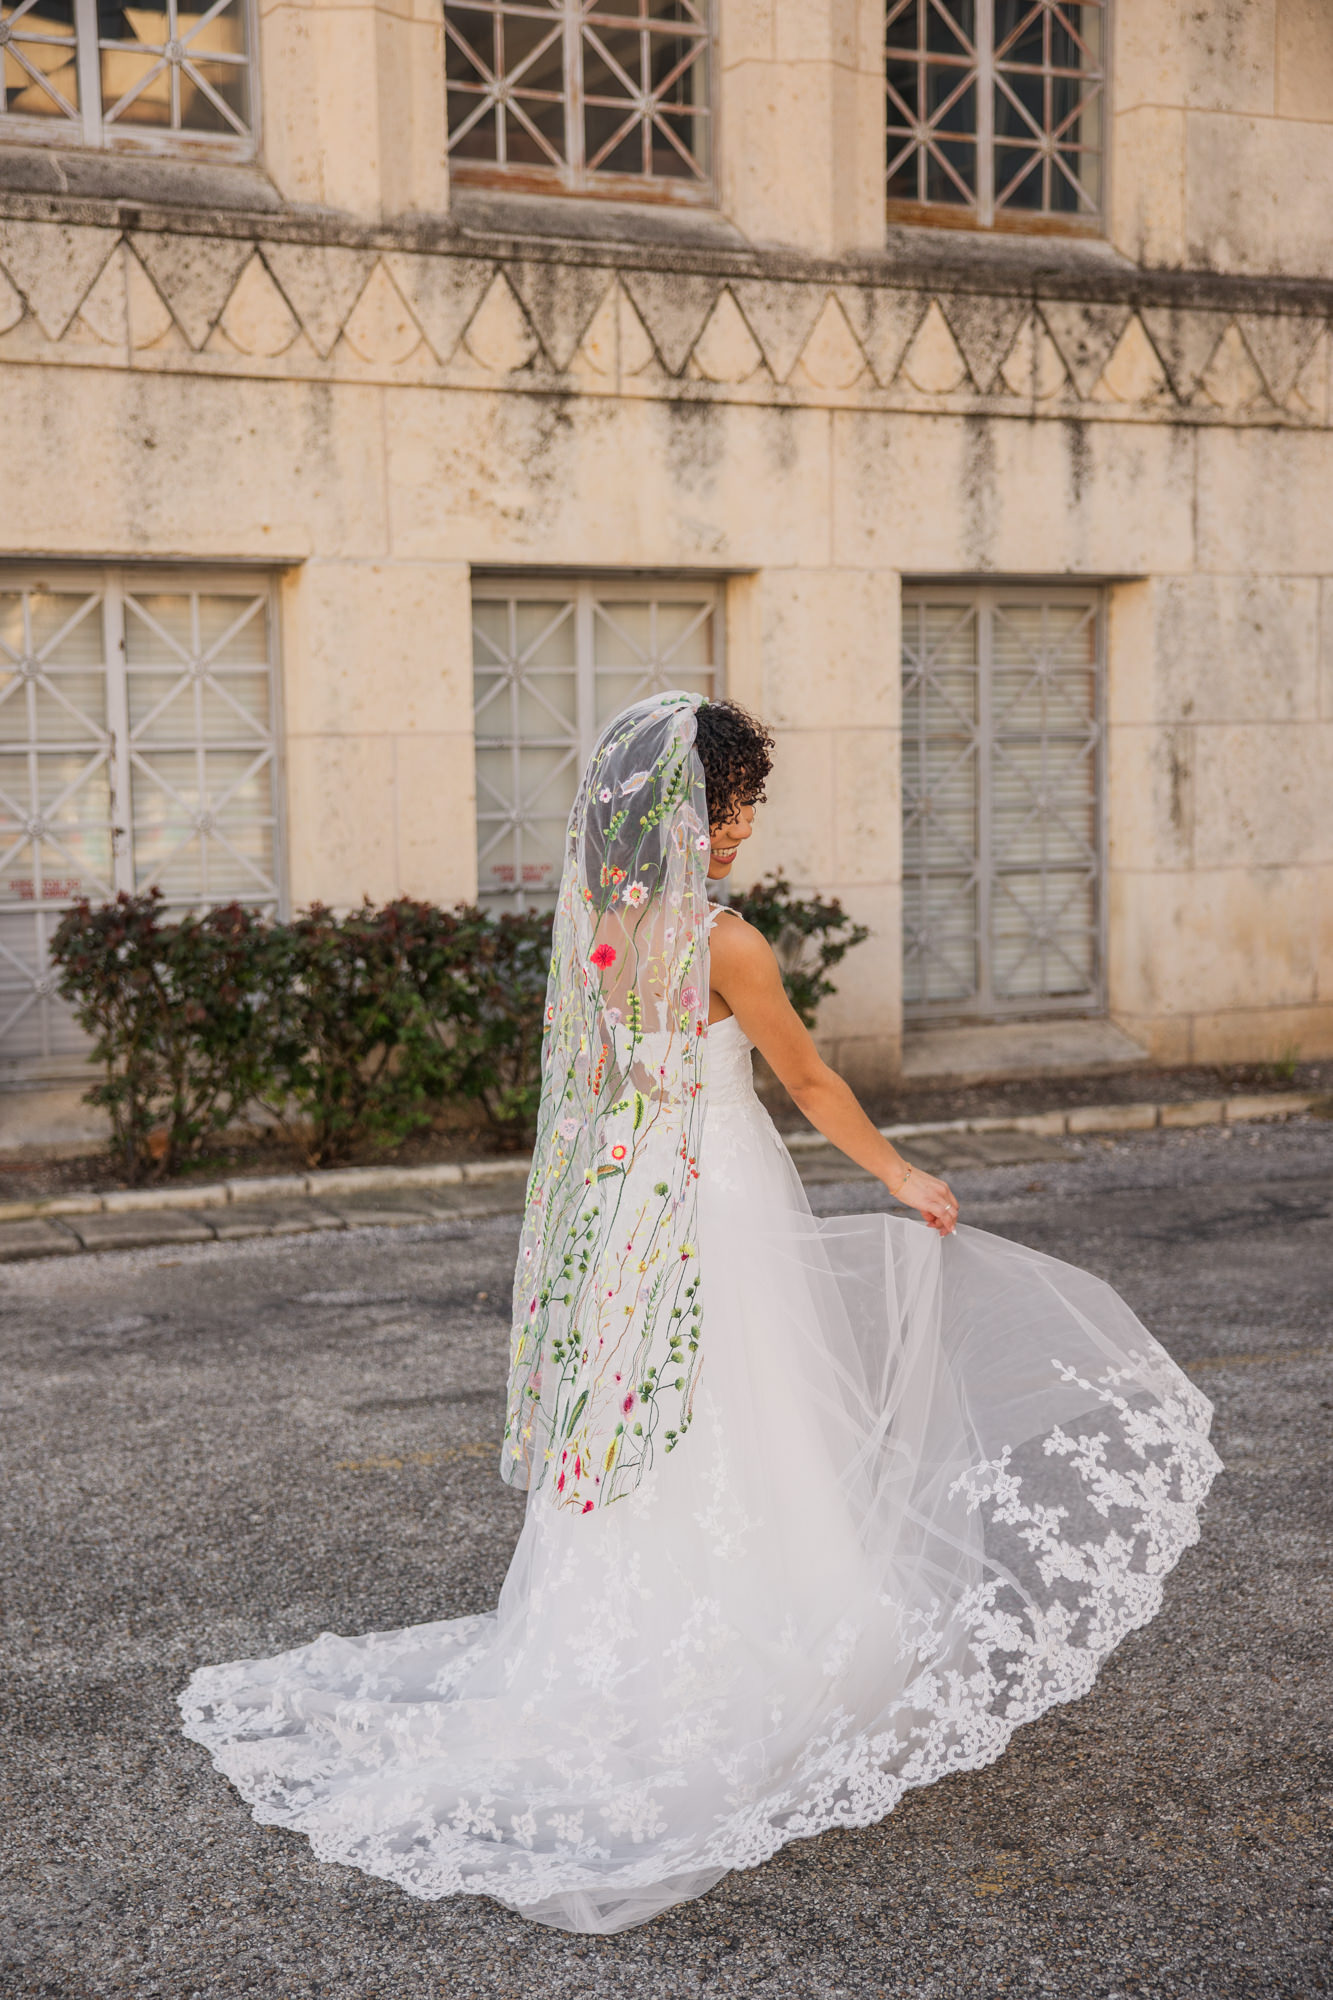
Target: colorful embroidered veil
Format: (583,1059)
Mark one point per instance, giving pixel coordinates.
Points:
(607,1308)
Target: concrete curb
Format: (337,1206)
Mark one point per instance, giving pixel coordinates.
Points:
(1076,1121)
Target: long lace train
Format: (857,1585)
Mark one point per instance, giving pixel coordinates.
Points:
(929,1486)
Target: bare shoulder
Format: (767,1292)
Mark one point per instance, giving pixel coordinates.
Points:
(737,950)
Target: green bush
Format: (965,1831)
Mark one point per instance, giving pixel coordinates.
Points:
(349,1030)
(809,934)
(381,1016)
(175,1011)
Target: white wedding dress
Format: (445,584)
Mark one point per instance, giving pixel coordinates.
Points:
(928,1487)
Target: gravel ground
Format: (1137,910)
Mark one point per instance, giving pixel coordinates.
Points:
(223,1449)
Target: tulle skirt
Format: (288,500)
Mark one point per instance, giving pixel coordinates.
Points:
(929,1486)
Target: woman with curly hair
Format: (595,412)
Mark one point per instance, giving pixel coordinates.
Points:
(818,1509)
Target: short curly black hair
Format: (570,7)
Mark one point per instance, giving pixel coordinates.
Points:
(736,752)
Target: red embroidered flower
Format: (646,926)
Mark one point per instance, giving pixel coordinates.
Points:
(617,1152)
(587,1506)
(560,1484)
(628,1403)
(604,955)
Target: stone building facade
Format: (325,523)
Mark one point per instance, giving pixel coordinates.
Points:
(388,391)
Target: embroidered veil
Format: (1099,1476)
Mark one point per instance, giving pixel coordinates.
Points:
(607,1307)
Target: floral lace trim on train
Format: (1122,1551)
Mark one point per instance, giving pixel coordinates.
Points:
(950,1718)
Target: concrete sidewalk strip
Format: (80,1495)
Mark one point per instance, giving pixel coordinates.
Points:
(272,1218)
(143,1231)
(19,1240)
(1013,1149)
(354,1197)
(1198,1111)
(384,1215)
(1111,1118)
(127,1201)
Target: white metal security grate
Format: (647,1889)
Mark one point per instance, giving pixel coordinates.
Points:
(1002,749)
(553,663)
(137,748)
(85,73)
(996,109)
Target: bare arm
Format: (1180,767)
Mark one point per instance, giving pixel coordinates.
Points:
(744,974)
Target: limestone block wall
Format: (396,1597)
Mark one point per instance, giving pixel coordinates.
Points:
(331,372)
(374,419)
(1223,135)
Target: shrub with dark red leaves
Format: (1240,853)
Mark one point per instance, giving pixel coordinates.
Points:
(175,1009)
(350,1030)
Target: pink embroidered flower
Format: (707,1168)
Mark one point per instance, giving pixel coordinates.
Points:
(605,795)
(628,1403)
(689,996)
(603,956)
(587,1506)
(702,843)
(568,1128)
(614,1017)
(532,1310)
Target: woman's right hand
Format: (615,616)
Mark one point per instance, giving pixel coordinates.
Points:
(935,1199)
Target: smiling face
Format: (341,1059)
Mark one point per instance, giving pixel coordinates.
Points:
(725,842)
(736,753)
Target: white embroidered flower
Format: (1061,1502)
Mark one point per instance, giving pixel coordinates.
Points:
(635,894)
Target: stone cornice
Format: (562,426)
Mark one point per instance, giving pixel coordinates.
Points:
(292,298)
(938,260)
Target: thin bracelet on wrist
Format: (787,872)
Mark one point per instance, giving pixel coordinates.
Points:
(907,1175)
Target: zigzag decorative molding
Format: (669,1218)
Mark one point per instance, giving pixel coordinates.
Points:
(70,292)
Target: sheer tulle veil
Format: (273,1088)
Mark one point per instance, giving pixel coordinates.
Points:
(607,1305)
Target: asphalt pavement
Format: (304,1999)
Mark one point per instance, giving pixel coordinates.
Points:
(219,1449)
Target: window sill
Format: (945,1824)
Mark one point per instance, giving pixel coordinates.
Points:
(137,177)
(488,214)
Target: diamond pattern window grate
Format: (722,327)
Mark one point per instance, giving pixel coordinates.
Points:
(138,747)
(996,111)
(581,96)
(1002,786)
(553,663)
(164,73)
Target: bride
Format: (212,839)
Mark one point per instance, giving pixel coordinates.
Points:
(817,1510)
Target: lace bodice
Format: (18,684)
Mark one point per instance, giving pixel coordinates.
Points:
(730,1065)
(730,1068)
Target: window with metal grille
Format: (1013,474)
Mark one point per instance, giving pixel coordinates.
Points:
(553,664)
(996,111)
(137,747)
(84,73)
(1002,746)
(581,96)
